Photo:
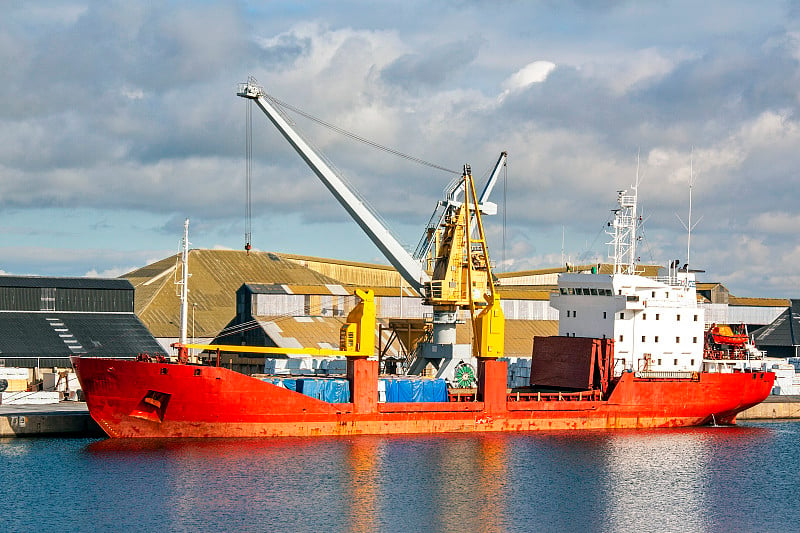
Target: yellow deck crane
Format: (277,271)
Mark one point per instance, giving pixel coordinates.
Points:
(446,243)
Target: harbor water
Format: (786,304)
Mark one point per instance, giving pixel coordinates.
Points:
(725,479)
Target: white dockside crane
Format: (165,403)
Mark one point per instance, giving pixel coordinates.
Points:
(434,252)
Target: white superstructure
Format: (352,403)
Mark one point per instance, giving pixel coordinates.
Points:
(656,323)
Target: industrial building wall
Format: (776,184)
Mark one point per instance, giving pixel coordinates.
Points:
(66,299)
(278,304)
(528,310)
(753,315)
(745,314)
(396,307)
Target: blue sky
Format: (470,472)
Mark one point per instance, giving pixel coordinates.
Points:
(120,119)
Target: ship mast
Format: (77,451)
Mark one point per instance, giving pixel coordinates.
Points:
(184,282)
(688,226)
(623,229)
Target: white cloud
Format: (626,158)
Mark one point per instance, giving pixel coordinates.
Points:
(113,272)
(777,223)
(535,72)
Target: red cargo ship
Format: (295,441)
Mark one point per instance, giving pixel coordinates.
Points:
(151,399)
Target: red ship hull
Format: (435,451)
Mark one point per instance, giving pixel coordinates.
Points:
(144,399)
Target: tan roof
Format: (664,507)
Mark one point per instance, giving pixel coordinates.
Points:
(537,272)
(303,332)
(313,332)
(215,277)
(525,292)
(604,268)
(758,302)
(350,272)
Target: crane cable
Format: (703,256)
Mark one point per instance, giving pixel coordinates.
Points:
(248,210)
(353,136)
(505,209)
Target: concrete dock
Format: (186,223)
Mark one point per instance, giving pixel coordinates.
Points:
(773,408)
(59,419)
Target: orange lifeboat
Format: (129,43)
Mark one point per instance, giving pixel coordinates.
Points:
(724,334)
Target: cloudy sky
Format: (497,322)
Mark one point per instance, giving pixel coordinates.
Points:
(120,119)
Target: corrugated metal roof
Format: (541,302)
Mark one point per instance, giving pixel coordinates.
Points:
(304,332)
(604,268)
(525,292)
(350,272)
(783,331)
(215,277)
(295,257)
(65,283)
(758,302)
(54,334)
(537,272)
(314,332)
(333,290)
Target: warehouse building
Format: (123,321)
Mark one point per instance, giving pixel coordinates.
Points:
(43,321)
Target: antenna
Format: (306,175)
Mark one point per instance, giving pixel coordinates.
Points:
(688,226)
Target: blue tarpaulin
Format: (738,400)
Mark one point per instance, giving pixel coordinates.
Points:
(325,389)
(398,389)
(401,389)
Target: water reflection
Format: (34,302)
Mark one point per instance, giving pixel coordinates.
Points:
(363,459)
(658,477)
(698,479)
